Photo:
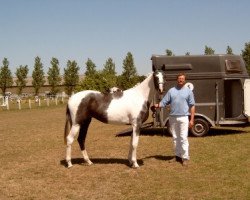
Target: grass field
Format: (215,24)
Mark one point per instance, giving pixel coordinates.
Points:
(32,157)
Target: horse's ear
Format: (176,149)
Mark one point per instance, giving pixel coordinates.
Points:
(163,67)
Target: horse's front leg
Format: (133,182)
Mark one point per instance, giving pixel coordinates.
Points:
(133,146)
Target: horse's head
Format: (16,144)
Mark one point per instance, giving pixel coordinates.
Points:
(159,80)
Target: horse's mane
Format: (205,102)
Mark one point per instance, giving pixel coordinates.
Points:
(149,74)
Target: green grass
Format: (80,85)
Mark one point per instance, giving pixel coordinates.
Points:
(32,157)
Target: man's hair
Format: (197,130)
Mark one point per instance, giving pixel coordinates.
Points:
(181,74)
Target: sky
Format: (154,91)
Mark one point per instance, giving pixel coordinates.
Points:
(102,29)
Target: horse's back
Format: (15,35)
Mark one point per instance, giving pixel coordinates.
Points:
(77,97)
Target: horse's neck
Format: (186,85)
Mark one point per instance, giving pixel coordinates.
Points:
(146,88)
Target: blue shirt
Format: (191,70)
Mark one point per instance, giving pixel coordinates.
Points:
(179,99)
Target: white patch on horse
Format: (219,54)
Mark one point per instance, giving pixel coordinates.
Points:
(120,110)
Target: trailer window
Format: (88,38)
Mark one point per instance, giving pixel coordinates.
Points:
(233,66)
(177,67)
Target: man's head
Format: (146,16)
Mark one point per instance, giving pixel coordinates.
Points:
(181,79)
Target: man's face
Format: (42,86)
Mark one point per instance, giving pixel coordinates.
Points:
(181,81)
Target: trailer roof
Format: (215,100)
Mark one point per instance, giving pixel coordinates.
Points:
(213,65)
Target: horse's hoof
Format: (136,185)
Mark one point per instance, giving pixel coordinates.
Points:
(70,165)
(89,163)
(134,165)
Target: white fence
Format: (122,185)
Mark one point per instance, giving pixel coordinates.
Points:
(7,103)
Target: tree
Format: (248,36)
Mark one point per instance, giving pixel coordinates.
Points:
(90,68)
(71,76)
(6,79)
(129,76)
(99,80)
(54,78)
(94,82)
(109,67)
(229,50)
(109,74)
(169,52)
(246,56)
(208,50)
(38,75)
(187,53)
(21,74)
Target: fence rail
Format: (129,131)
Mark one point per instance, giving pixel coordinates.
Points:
(31,103)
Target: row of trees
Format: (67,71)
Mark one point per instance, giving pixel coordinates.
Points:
(94,79)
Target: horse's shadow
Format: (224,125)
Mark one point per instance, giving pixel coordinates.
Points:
(145,132)
(101,161)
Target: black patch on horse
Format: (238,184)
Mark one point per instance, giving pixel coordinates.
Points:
(93,105)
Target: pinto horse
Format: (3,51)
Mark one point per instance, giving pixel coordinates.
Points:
(131,107)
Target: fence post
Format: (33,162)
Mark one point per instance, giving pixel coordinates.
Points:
(19,104)
(7,102)
(29,103)
(39,102)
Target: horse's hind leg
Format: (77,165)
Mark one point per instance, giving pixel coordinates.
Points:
(70,138)
(81,139)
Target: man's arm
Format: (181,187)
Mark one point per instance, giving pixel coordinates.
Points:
(192,111)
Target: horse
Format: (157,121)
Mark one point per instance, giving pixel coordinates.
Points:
(131,107)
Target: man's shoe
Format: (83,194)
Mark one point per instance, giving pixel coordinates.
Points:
(185,162)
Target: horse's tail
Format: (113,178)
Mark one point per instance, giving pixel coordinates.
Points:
(68,124)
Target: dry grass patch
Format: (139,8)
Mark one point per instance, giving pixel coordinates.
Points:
(32,156)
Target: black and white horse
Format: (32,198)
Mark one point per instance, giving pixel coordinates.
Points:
(129,107)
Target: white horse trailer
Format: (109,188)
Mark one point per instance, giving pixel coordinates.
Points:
(221,87)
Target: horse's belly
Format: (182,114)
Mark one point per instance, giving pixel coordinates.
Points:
(118,119)
(117,115)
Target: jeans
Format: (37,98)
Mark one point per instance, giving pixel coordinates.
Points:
(179,131)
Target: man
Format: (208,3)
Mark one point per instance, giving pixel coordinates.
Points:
(182,104)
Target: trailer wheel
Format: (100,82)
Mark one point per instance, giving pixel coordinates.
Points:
(200,128)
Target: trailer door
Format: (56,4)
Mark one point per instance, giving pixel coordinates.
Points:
(233,98)
(247,98)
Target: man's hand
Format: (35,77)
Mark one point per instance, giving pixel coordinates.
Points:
(153,108)
(191,124)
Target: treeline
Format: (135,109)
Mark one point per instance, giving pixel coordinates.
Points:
(94,79)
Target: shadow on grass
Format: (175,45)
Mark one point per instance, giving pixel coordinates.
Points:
(160,157)
(224,131)
(145,132)
(80,161)
(164,132)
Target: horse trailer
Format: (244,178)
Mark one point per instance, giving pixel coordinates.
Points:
(220,84)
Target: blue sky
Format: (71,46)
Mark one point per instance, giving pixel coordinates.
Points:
(99,29)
